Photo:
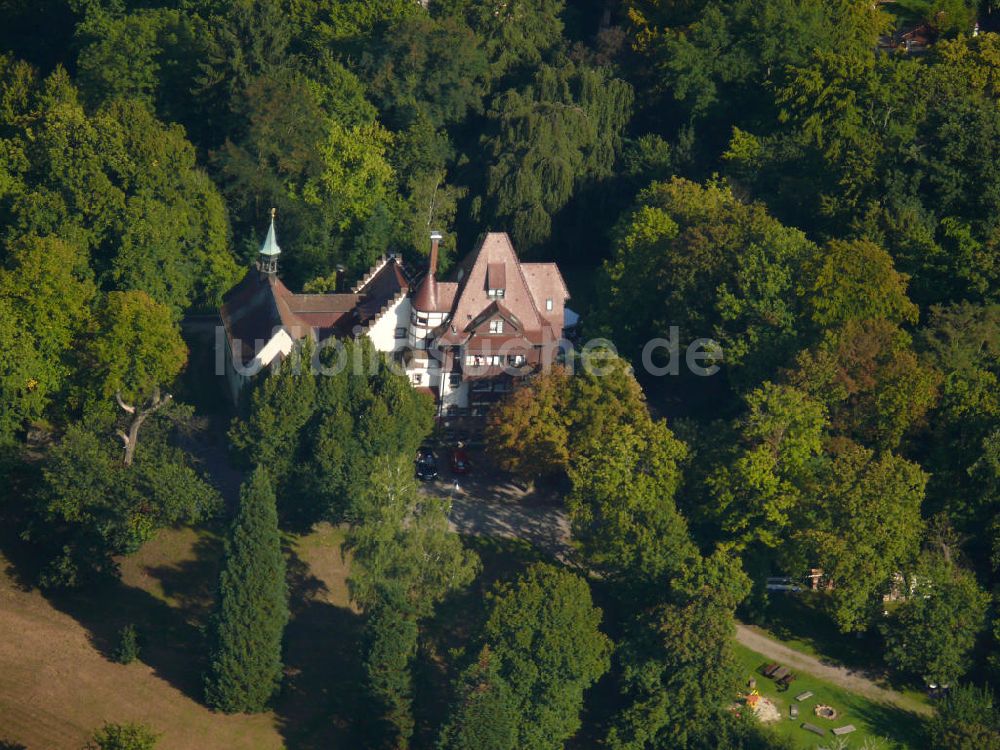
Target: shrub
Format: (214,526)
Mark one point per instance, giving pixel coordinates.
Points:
(128,645)
(123,737)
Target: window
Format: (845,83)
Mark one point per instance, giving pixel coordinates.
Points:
(478,360)
(495,293)
(417,378)
(496,326)
(400,333)
(548,304)
(516,359)
(455,379)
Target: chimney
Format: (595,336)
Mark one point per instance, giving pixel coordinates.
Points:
(433,263)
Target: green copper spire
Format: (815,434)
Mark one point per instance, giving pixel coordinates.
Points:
(270,247)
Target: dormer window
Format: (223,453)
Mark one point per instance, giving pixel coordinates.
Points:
(496,280)
(496,326)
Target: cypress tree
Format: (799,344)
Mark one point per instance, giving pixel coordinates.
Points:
(245,668)
(392,644)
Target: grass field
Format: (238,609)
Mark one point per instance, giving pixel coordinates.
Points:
(893,728)
(57,683)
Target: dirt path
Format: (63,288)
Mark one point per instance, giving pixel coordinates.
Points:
(844,677)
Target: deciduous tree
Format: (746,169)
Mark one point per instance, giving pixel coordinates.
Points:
(622,504)
(405,560)
(677,663)
(932,632)
(861,524)
(543,631)
(697,258)
(136,348)
(967,719)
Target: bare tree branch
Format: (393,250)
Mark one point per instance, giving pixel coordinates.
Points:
(131,438)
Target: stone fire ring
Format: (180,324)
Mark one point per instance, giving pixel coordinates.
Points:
(825,712)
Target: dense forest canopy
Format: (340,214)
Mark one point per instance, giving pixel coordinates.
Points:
(811,185)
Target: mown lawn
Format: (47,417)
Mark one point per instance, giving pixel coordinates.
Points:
(891,728)
(58,683)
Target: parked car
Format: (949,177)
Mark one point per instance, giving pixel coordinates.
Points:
(459,461)
(427,470)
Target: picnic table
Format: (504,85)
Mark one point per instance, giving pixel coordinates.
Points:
(780,673)
(803,696)
(813,728)
(770,669)
(793,711)
(846,729)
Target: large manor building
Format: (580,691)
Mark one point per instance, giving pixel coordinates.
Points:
(463,340)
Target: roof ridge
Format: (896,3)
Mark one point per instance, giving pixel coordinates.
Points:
(378,266)
(520,272)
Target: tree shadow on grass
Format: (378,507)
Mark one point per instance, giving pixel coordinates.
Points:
(192,584)
(172,638)
(322,697)
(170,643)
(801,617)
(892,723)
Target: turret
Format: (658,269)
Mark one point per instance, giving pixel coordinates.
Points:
(425,314)
(267,261)
(425,300)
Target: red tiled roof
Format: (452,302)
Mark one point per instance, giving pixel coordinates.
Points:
(379,290)
(322,303)
(446,292)
(425,300)
(251,314)
(546,283)
(256,308)
(495,276)
(495,250)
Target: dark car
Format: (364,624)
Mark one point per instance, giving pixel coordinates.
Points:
(460,461)
(427,469)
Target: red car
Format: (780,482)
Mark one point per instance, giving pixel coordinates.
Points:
(459,461)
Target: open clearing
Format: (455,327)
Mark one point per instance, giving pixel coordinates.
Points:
(57,683)
(895,727)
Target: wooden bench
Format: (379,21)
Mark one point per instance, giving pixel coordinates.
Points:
(803,696)
(846,729)
(813,728)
